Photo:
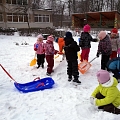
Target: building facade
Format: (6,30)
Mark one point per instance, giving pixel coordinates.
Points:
(20,14)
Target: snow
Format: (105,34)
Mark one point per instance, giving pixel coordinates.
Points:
(63,102)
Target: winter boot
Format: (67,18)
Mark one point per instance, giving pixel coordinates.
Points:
(38,66)
(69,78)
(48,74)
(42,65)
(76,81)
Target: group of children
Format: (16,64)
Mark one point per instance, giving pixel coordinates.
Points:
(45,50)
(106,96)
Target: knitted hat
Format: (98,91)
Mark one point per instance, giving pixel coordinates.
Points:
(50,38)
(40,36)
(68,34)
(103,76)
(86,28)
(102,35)
(114,30)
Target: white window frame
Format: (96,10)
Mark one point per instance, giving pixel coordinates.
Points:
(16,2)
(18,17)
(38,16)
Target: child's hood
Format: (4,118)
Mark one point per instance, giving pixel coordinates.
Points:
(68,41)
(111,83)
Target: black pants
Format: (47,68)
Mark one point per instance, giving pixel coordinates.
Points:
(108,108)
(104,60)
(72,69)
(40,59)
(116,74)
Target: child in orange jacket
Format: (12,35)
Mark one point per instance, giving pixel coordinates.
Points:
(61,44)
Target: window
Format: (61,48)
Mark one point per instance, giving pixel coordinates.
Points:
(16,18)
(9,17)
(11,1)
(20,18)
(45,18)
(20,2)
(42,18)
(25,18)
(1,17)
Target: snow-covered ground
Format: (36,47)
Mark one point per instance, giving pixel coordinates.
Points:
(63,102)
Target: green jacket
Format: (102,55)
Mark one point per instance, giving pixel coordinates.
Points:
(111,93)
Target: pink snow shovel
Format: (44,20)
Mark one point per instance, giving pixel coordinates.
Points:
(85,65)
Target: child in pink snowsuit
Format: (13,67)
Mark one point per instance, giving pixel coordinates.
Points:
(49,54)
(40,51)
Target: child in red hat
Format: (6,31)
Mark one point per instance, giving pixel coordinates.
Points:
(85,42)
(115,42)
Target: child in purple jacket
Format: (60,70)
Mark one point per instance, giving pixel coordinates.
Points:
(49,54)
(40,51)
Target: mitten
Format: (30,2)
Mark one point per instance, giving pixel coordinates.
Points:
(56,51)
(43,50)
(35,49)
(97,54)
(92,100)
(36,45)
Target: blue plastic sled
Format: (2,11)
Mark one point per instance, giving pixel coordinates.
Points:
(41,84)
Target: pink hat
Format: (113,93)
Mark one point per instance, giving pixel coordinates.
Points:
(102,35)
(86,28)
(103,76)
(50,38)
(40,36)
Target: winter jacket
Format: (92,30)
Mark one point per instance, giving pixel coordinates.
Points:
(110,92)
(85,40)
(115,42)
(114,64)
(71,48)
(61,44)
(104,46)
(39,47)
(49,48)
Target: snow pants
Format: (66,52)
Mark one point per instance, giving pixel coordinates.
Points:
(72,69)
(113,55)
(108,108)
(116,74)
(85,54)
(50,61)
(104,60)
(40,59)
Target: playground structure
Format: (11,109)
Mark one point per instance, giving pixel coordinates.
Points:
(103,20)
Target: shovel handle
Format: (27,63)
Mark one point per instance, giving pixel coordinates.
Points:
(7,73)
(93,59)
(35,55)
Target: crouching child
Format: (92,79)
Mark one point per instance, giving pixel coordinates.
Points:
(113,65)
(106,96)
